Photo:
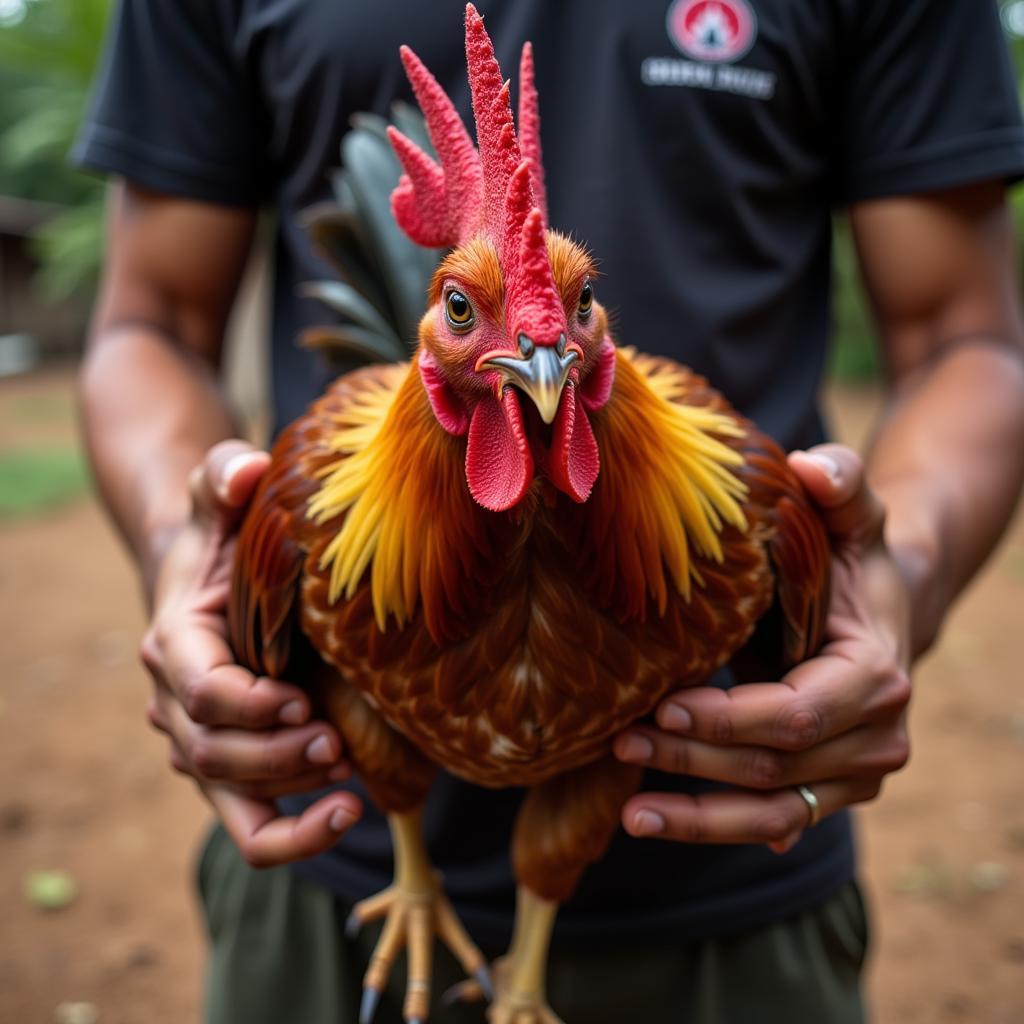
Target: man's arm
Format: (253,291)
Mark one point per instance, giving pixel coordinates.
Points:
(948,458)
(151,403)
(156,424)
(947,464)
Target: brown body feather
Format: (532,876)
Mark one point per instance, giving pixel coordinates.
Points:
(536,634)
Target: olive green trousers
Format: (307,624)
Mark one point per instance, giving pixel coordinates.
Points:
(279,955)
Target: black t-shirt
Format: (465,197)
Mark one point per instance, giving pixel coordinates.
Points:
(698,147)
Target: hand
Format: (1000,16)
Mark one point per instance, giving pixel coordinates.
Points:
(837,722)
(245,740)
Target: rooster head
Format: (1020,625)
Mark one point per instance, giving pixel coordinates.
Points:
(513,349)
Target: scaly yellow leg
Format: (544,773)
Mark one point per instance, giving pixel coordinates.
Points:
(415,909)
(519,977)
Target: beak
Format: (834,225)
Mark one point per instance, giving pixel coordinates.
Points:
(540,371)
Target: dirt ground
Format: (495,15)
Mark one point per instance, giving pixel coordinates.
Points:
(84,787)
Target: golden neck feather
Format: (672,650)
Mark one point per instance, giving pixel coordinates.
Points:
(399,483)
(667,485)
(401,487)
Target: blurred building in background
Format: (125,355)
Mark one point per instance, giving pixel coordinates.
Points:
(32,327)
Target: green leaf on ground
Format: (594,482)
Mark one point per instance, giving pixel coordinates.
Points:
(34,480)
(989,876)
(76,1013)
(930,877)
(50,890)
(1014,562)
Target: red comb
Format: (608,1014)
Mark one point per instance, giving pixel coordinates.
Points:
(532,303)
(436,206)
(529,129)
(498,192)
(445,203)
(495,132)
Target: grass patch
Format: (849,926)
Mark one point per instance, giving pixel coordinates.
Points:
(854,353)
(45,409)
(34,480)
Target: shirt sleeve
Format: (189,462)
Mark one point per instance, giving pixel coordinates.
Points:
(172,108)
(929,99)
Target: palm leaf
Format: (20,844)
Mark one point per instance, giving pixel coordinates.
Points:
(344,299)
(341,342)
(384,276)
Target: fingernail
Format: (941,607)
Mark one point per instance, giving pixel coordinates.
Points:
(785,845)
(676,718)
(648,823)
(636,748)
(319,751)
(293,713)
(234,465)
(827,464)
(340,820)
(339,773)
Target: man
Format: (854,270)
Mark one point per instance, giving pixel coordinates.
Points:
(699,147)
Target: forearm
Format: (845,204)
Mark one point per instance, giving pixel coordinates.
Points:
(150,412)
(948,462)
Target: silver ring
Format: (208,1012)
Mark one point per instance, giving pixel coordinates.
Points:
(808,797)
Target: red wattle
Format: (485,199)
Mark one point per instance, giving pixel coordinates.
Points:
(574,461)
(597,388)
(499,466)
(449,409)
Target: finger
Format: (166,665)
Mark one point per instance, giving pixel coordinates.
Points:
(307,783)
(819,699)
(869,751)
(265,839)
(787,844)
(155,715)
(834,477)
(229,695)
(243,755)
(223,482)
(737,817)
(197,665)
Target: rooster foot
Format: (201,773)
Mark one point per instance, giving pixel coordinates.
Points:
(510,1004)
(517,1003)
(412,917)
(519,975)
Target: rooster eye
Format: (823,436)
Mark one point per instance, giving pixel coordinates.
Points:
(586,301)
(458,311)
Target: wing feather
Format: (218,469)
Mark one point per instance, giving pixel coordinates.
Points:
(277,533)
(798,547)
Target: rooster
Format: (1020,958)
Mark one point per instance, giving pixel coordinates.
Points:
(496,556)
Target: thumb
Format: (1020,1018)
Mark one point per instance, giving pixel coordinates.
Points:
(833,475)
(224,481)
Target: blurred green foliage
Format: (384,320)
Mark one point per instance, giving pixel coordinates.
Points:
(48,50)
(36,479)
(854,354)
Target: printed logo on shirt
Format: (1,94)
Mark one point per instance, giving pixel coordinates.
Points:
(714,33)
(712,30)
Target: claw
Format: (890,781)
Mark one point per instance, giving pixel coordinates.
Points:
(352,925)
(462,992)
(483,979)
(368,1007)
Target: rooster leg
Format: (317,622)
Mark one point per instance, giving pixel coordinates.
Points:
(519,976)
(566,823)
(413,907)
(415,910)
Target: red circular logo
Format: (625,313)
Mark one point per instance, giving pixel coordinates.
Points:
(712,30)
